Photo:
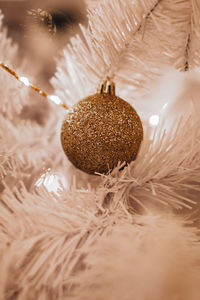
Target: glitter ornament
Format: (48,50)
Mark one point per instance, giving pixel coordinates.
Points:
(100,131)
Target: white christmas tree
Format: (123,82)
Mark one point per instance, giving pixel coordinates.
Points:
(131,234)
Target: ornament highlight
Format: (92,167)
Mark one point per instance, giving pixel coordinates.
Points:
(100,131)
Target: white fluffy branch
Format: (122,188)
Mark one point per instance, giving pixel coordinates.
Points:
(154,258)
(124,239)
(132,47)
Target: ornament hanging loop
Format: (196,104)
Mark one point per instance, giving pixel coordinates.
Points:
(108,87)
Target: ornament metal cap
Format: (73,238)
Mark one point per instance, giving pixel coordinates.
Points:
(108,87)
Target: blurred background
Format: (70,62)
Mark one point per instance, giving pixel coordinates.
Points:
(41,29)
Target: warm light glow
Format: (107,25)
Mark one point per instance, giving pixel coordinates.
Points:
(165,105)
(154,120)
(24,80)
(55,99)
(52,182)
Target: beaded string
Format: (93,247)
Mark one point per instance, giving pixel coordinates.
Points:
(53,98)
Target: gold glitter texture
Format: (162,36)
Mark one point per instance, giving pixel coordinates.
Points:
(100,131)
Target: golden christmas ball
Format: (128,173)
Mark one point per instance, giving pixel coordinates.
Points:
(100,131)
